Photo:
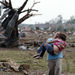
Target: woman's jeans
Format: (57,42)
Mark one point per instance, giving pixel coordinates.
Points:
(55,66)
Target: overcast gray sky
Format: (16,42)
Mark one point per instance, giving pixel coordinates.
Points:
(49,9)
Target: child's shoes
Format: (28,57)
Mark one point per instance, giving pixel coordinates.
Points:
(36,55)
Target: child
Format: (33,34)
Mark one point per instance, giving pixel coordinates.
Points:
(52,47)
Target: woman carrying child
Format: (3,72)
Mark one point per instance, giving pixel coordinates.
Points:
(54,48)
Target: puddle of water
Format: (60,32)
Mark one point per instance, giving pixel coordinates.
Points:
(10,73)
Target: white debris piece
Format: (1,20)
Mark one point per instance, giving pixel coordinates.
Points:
(23,47)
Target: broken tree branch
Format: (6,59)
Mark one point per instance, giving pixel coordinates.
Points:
(24,18)
(34,4)
(4,4)
(10,4)
(29,9)
(21,8)
(28,14)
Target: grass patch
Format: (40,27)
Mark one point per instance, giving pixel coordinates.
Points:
(26,57)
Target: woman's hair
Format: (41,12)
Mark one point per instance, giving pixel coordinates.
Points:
(62,36)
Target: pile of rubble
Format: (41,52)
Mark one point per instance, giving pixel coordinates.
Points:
(29,39)
(12,66)
(33,37)
(71,45)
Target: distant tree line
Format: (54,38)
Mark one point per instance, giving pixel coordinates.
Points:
(57,24)
(63,25)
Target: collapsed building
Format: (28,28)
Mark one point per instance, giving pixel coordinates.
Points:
(33,37)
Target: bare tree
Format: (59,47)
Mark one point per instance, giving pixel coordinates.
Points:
(10,23)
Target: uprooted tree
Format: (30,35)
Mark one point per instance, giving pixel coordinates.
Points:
(10,21)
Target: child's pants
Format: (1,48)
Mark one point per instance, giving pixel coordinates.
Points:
(42,49)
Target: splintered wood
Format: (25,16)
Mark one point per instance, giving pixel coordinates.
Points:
(12,66)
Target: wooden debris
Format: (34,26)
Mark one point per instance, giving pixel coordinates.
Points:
(12,66)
